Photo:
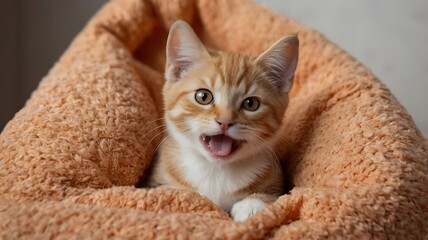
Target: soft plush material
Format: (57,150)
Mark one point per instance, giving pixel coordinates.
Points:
(71,157)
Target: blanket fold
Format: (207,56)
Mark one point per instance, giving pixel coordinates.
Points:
(69,160)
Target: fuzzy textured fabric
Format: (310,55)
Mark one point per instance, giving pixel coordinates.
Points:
(71,157)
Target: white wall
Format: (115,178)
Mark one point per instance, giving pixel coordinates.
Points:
(390,37)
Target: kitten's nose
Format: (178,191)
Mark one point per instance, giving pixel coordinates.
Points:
(224,123)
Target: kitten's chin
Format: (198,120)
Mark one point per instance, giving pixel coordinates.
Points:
(220,146)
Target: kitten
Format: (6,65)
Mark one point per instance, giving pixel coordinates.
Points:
(223,112)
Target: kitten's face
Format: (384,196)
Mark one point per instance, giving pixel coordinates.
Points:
(225,106)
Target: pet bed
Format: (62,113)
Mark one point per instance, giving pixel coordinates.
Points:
(71,157)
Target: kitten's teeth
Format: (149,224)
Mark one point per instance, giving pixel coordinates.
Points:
(206,138)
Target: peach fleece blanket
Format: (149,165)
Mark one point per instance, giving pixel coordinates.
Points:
(70,158)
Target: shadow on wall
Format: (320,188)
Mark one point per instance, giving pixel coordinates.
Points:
(38,32)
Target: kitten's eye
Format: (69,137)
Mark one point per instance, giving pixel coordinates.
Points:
(251,104)
(203,96)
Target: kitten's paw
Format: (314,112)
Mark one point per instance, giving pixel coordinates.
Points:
(246,208)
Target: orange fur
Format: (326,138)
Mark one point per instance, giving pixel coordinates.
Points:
(249,170)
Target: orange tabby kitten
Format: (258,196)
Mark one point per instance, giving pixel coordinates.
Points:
(223,112)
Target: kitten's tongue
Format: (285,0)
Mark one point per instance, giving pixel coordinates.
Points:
(220,145)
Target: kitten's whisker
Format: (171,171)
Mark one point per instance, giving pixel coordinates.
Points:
(155,120)
(271,156)
(264,131)
(163,139)
(156,128)
(160,143)
(260,130)
(187,130)
(265,147)
(255,149)
(159,133)
(284,141)
(164,125)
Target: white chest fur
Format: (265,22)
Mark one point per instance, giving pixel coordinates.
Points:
(219,182)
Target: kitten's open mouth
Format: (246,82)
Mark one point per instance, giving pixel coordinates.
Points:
(220,146)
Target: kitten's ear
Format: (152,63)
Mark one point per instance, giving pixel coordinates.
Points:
(280,62)
(183,49)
